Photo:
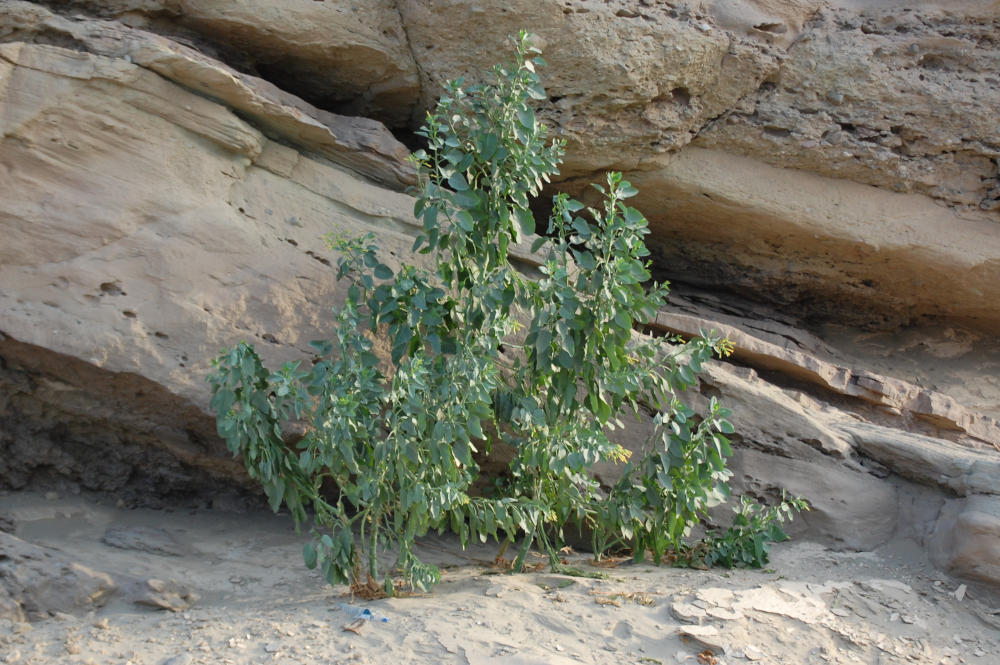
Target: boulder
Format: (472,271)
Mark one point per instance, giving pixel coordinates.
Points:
(36,582)
(966,538)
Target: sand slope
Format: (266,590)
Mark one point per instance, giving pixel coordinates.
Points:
(256,603)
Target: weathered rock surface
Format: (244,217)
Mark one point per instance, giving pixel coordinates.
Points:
(832,249)
(360,144)
(170,199)
(820,150)
(902,97)
(151,540)
(336,53)
(36,582)
(768,345)
(813,119)
(928,460)
(626,81)
(159,594)
(158,205)
(966,537)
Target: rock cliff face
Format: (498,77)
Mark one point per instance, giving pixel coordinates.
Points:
(168,170)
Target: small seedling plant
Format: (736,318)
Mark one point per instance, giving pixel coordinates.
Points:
(746,544)
(386,449)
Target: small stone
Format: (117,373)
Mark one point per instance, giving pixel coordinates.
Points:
(52,496)
(957,639)
(494,591)
(559,648)
(706,636)
(161,594)
(752,653)
(687,612)
(840,611)
(894,617)
(8,524)
(960,592)
(724,613)
(272,647)
(682,656)
(716,596)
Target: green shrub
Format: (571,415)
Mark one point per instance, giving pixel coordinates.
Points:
(747,542)
(482,356)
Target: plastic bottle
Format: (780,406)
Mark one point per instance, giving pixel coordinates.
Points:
(362,613)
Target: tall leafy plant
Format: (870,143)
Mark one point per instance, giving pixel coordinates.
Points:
(482,356)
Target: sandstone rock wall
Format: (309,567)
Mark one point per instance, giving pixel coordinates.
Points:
(146,227)
(168,170)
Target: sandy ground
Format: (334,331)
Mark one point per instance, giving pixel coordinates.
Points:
(259,604)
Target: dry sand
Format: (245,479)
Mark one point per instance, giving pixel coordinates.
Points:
(259,604)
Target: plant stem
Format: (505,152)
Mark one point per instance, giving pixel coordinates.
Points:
(525,546)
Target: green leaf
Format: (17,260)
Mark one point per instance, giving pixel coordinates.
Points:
(525,220)
(462,454)
(585,260)
(475,428)
(467,199)
(457,182)
(309,554)
(430,218)
(583,229)
(276,493)
(465,221)
(488,144)
(526,117)
(626,190)
(383,271)
(634,218)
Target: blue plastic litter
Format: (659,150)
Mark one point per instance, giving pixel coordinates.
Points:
(362,613)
